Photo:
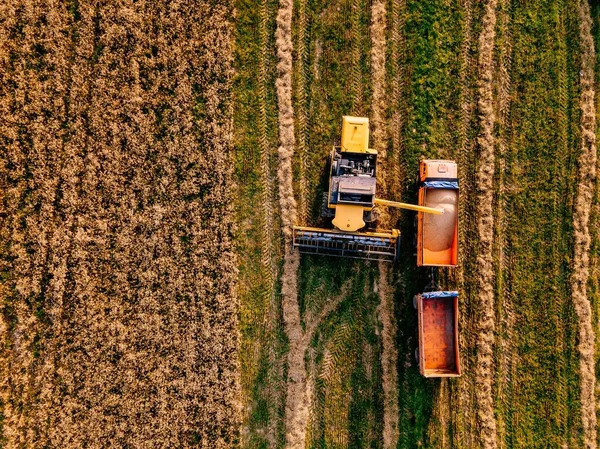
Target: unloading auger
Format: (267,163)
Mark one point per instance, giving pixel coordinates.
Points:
(351,202)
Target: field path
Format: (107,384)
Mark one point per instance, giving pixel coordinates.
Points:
(485,226)
(583,203)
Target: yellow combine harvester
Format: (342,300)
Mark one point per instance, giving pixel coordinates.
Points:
(351,203)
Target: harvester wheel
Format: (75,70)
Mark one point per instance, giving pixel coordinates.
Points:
(326,212)
(371,218)
(415,301)
(417,355)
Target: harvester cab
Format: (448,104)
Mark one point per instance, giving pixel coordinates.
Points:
(351,201)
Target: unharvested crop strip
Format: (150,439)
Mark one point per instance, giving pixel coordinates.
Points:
(583,203)
(485,226)
(145,261)
(296,407)
(389,354)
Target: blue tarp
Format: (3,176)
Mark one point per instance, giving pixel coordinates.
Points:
(439,295)
(441,184)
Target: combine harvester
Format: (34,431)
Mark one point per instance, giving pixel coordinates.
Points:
(351,204)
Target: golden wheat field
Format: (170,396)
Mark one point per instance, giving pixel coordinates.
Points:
(155,155)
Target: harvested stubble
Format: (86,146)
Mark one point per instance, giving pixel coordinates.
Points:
(581,219)
(118,293)
(485,224)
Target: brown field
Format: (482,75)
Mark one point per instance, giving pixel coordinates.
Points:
(119,324)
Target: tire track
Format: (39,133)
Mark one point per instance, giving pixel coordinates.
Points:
(398,119)
(485,225)
(507,362)
(266,177)
(389,359)
(463,415)
(268,264)
(561,161)
(300,110)
(583,203)
(356,81)
(296,407)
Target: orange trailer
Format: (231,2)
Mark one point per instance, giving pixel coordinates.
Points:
(438,354)
(437,235)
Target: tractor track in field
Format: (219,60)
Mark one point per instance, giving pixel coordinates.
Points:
(398,119)
(507,362)
(355,49)
(267,260)
(389,353)
(561,164)
(484,368)
(463,415)
(296,406)
(301,71)
(583,203)
(266,175)
(389,358)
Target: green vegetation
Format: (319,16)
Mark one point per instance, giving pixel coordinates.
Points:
(536,96)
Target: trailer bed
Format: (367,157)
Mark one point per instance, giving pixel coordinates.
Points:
(438,334)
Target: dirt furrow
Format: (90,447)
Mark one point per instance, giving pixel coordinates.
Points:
(484,369)
(583,204)
(389,359)
(296,407)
